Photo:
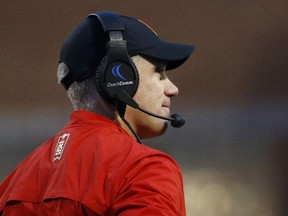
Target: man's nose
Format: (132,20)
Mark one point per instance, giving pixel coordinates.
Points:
(171,89)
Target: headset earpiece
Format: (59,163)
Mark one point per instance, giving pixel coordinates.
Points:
(116,72)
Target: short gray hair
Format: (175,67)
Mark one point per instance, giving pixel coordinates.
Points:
(84,95)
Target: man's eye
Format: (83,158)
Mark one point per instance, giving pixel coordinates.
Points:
(159,69)
(162,75)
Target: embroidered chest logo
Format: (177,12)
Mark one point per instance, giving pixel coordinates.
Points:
(59,148)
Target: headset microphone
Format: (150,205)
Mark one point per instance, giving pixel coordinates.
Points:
(176,120)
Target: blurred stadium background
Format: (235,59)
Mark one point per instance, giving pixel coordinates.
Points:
(233,93)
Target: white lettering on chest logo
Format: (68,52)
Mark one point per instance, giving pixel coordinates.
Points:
(59,148)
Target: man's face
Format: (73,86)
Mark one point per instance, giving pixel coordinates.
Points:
(153,94)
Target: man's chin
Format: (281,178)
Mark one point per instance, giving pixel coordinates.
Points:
(157,132)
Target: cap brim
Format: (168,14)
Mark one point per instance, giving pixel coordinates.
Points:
(174,54)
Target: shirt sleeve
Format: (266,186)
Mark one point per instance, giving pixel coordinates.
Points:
(150,186)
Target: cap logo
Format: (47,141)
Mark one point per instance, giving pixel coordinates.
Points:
(148,27)
(116,72)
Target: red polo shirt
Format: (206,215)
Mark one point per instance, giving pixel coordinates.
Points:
(93,167)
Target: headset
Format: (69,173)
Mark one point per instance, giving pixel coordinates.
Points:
(116,72)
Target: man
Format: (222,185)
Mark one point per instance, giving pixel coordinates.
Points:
(96,164)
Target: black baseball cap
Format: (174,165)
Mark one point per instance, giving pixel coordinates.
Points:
(84,48)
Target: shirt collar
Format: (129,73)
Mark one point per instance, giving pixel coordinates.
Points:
(88,117)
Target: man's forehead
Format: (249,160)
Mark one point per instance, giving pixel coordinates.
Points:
(156,62)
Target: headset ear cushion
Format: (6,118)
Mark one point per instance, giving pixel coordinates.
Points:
(100,70)
(114,77)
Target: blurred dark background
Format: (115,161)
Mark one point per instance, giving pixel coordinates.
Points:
(233,93)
